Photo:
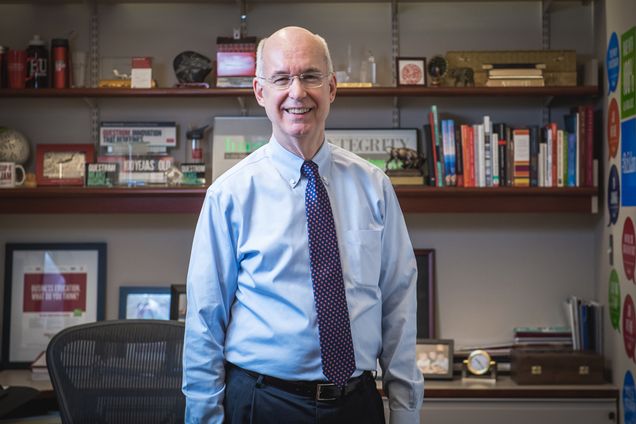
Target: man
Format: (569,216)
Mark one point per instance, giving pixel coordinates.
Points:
(302,274)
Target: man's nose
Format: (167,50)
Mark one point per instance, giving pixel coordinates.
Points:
(297,89)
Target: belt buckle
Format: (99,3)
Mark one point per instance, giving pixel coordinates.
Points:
(319,388)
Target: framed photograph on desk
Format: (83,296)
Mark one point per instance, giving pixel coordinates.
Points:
(48,287)
(425,259)
(178,302)
(435,358)
(144,302)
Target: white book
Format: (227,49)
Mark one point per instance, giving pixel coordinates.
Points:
(541,163)
(560,160)
(480,161)
(549,159)
(494,142)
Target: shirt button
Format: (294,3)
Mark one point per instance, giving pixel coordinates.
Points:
(325,181)
(292,182)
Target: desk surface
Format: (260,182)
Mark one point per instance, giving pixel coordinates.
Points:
(23,378)
(504,387)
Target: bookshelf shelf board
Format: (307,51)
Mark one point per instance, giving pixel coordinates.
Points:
(413,199)
(578,91)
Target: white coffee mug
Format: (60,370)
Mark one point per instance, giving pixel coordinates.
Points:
(9,175)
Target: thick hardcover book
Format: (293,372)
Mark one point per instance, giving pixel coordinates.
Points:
(582,127)
(487,152)
(515,82)
(468,153)
(571,127)
(480,172)
(431,155)
(434,122)
(534,140)
(500,130)
(148,133)
(521,139)
(459,156)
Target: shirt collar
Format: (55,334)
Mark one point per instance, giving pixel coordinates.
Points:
(288,164)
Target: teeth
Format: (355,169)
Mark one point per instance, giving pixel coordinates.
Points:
(298,110)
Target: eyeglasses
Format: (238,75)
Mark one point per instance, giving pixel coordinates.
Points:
(307,80)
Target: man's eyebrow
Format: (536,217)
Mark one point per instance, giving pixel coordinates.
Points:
(311,70)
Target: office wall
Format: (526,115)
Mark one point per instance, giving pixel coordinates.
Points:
(494,271)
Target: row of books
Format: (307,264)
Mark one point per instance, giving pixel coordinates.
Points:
(494,155)
(586,320)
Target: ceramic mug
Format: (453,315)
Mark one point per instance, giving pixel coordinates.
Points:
(9,175)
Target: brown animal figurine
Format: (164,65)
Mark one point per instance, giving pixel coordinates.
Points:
(409,158)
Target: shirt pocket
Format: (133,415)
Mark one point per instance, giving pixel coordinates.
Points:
(362,251)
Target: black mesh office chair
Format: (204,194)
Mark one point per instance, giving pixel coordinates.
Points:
(118,372)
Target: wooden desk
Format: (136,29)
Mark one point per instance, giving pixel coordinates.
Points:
(23,378)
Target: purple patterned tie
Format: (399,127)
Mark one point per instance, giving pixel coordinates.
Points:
(336,345)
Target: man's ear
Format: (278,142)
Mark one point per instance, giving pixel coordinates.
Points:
(332,87)
(258,91)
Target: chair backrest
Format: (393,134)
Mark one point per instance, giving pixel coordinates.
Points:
(118,372)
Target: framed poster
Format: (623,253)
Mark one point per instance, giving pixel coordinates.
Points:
(48,287)
(435,358)
(62,164)
(425,259)
(178,302)
(376,144)
(144,302)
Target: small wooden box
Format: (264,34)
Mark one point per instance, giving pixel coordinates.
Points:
(556,367)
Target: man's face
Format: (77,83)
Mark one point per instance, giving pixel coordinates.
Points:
(297,113)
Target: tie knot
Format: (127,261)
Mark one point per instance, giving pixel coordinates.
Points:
(310,170)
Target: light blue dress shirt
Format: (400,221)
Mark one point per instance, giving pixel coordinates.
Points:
(249,288)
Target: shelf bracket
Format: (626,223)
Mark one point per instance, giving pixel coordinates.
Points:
(242,105)
(243,7)
(395,53)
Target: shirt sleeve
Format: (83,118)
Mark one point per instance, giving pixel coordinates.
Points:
(211,286)
(402,380)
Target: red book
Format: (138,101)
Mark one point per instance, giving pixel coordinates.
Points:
(554,153)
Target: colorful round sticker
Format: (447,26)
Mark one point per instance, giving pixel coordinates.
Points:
(613,62)
(629,399)
(613,127)
(629,337)
(613,195)
(628,242)
(614,299)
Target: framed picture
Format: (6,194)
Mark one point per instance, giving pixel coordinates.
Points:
(48,287)
(411,71)
(178,302)
(435,358)
(62,164)
(375,144)
(144,302)
(425,259)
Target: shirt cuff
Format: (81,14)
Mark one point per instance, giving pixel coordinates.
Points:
(404,416)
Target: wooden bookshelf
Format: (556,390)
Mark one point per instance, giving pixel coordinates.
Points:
(413,199)
(568,92)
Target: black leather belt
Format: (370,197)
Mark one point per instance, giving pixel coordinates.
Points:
(314,389)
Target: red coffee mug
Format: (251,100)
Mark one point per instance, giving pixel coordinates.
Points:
(16,68)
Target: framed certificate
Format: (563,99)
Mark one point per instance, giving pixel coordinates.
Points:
(62,164)
(48,287)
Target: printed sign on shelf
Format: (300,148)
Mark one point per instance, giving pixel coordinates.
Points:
(628,73)
(614,299)
(613,195)
(613,128)
(628,243)
(629,337)
(613,62)
(628,162)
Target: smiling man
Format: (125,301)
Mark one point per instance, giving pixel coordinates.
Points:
(302,275)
